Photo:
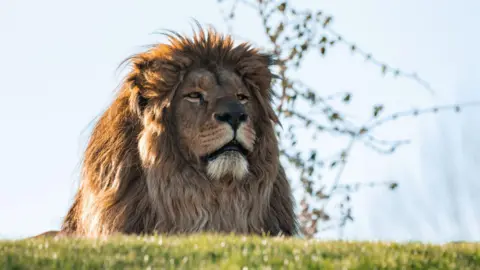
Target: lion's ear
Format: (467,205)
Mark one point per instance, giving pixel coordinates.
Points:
(153,77)
(142,81)
(256,70)
(135,84)
(136,93)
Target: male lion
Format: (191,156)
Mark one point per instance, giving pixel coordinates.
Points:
(187,146)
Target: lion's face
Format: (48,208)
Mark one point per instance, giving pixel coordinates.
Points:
(215,116)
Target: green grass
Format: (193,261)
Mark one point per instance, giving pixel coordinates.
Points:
(231,252)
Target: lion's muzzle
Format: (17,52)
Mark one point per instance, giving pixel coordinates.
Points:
(230,158)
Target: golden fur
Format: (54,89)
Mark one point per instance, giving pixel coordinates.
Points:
(143,170)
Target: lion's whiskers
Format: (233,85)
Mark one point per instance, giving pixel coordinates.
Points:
(246,136)
(212,140)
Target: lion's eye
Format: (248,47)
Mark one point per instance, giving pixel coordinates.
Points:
(194,97)
(243,98)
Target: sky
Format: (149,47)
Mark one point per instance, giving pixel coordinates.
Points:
(59,71)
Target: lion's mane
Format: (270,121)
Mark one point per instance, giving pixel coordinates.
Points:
(135,176)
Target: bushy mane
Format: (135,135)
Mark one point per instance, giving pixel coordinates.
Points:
(137,178)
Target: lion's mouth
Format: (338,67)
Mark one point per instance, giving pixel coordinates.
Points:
(233,146)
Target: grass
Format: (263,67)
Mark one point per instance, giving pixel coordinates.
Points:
(231,252)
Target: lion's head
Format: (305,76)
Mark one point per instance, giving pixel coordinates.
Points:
(188,145)
(216,116)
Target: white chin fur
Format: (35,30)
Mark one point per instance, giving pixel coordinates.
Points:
(228,163)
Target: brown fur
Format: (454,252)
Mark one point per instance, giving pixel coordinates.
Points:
(142,172)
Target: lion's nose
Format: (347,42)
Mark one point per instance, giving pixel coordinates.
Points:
(233,118)
(231,112)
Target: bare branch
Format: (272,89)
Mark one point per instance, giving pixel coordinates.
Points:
(416,112)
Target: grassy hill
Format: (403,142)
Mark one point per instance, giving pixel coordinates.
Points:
(231,252)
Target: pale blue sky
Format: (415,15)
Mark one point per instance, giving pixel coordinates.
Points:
(58,72)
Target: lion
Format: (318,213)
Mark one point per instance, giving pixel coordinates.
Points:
(187,146)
